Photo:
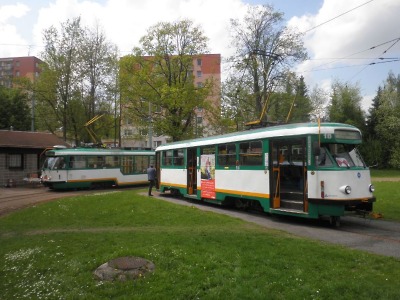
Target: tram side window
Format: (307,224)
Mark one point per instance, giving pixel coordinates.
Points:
(126,164)
(167,158)
(227,155)
(141,164)
(77,162)
(250,153)
(178,157)
(207,150)
(95,162)
(111,162)
(173,157)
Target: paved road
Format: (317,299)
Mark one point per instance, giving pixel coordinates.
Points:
(375,236)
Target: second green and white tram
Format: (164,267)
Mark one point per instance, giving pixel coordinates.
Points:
(308,170)
(81,168)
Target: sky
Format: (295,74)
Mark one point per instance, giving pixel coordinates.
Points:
(352,41)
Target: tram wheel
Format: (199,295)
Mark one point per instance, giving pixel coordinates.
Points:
(334,221)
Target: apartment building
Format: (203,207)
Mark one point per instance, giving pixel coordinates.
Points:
(13,67)
(205,67)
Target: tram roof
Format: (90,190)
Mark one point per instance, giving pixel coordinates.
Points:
(99,152)
(295,129)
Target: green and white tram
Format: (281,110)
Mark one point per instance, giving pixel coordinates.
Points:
(309,170)
(74,168)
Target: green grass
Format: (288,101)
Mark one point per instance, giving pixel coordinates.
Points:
(385,173)
(387,194)
(387,199)
(50,252)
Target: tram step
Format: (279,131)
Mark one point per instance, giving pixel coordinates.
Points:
(291,195)
(292,204)
(192,196)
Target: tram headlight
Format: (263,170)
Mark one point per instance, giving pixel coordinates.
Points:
(371,188)
(346,189)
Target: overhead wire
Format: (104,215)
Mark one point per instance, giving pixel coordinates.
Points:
(338,16)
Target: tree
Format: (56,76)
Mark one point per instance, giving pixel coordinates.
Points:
(157,83)
(345,105)
(78,80)
(388,121)
(292,104)
(99,70)
(14,110)
(319,102)
(265,51)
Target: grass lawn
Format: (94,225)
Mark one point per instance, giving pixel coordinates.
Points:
(387,194)
(50,252)
(385,173)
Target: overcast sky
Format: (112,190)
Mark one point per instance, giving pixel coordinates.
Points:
(356,41)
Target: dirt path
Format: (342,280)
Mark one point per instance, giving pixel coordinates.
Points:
(12,199)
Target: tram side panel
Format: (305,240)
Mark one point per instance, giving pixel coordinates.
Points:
(241,184)
(174,179)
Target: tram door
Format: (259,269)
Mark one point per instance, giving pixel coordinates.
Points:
(191,171)
(158,169)
(288,174)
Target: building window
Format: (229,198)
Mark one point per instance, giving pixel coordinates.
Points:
(157,143)
(15,161)
(128,132)
(199,74)
(17,63)
(199,62)
(200,84)
(199,120)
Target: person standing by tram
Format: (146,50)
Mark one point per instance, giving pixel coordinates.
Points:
(151,175)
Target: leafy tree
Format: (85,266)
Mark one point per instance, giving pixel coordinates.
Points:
(265,51)
(14,110)
(60,76)
(345,105)
(293,104)
(233,113)
(157,83)
(78,80)
(388,121)
(318,98)
(99,69)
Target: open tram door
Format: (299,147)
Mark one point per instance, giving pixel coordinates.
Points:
(191,171)
(288,174)
(158,169)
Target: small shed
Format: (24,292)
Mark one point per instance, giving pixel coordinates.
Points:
(22,154)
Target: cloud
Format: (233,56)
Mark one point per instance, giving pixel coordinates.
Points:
(349,36)
(9,34)
(125,21)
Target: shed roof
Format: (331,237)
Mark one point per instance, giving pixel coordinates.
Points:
(29,139)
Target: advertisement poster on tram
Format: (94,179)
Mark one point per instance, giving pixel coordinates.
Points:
(207,167)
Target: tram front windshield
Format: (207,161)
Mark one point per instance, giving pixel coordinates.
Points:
(54,163)
(339,155)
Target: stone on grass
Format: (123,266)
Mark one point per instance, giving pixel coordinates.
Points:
(124,268)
